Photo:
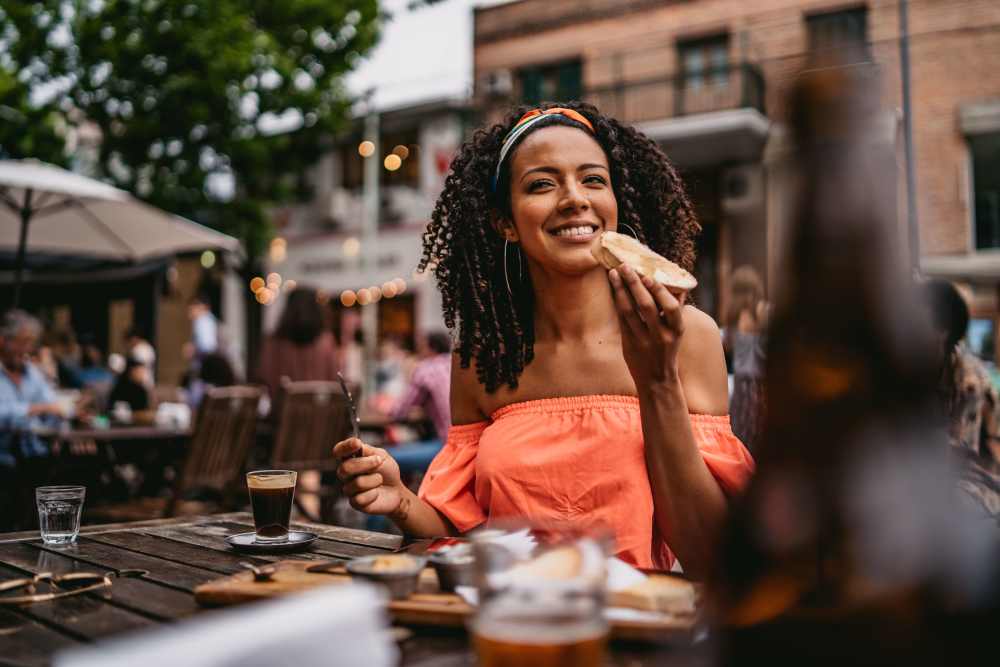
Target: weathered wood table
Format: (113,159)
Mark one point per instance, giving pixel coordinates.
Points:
(180,554)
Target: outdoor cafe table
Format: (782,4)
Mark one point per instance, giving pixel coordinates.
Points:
(179,554)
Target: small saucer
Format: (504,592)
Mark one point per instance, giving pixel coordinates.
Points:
(298,540)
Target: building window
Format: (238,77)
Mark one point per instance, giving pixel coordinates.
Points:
(985,149)
(840,31)
(705,61)
(559,82)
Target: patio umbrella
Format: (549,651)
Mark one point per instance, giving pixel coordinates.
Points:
(70,214)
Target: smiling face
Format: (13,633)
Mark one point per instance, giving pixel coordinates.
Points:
(561,199)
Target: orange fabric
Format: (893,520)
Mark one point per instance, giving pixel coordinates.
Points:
(573,460)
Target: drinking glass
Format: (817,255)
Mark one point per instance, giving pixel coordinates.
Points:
(271,495)
(536,620)
(59,509)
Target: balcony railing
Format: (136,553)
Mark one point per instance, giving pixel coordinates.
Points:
(733,86)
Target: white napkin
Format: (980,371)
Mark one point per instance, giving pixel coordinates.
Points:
(333,626)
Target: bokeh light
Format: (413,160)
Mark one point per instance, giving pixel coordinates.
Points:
(376,293)
(393,162)
(256,284)
(290,284)
(402,151)
(264,296)
(274,279)
(348,298)
(366,148)
(351,247)
(389,289)
(208,259)
(400,285)
(364,297)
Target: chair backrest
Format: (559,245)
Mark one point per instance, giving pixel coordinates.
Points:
(223,435)
(313,417)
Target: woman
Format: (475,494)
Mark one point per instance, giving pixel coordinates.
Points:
(744,341)
(579,395)
(299,349)
(970,400)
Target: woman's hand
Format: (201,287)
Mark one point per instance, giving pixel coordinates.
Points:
(371,481)
(652,325)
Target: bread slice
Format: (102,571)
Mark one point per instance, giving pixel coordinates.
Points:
(561,563)
(616,249)
(657,593)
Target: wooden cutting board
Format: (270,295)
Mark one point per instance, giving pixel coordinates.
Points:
(428,606)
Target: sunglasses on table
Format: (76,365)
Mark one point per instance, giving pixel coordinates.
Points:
(46,586)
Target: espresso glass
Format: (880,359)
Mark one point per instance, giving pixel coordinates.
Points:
(271,496)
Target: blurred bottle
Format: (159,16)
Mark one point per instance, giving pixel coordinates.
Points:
(846,545)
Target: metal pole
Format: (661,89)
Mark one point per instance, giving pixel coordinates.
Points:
(911,179)
(369,239)
(22,245)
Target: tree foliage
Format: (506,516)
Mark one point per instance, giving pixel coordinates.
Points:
(185,93)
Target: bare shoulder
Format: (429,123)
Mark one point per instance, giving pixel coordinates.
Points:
(703,364)
(465,393)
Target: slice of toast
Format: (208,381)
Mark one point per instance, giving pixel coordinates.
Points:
(616,249)
(657,593)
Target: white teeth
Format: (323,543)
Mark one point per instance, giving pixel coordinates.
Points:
(576,231)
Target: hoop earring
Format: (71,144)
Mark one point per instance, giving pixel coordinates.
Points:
(506,277)
(630,231)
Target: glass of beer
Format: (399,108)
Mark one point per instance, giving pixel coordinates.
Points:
(539,621)
(271,495)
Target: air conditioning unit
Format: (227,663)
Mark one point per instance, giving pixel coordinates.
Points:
(498,83)
(741,189)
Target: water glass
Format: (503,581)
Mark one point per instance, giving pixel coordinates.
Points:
(59,509)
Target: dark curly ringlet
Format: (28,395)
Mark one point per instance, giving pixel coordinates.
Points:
(466,253)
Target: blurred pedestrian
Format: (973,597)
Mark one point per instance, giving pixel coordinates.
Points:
(26,398)
(300,348)
(204,327)
(970,399)
(744,341)
(429,386)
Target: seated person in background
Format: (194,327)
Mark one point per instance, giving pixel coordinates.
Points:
(428,389)
(93,371)
(132,387)
(301,347)
(140,349)
(25,395)
(215,371)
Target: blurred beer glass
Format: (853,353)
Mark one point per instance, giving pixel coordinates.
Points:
(542,618)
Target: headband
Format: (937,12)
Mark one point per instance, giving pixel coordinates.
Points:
(525,122)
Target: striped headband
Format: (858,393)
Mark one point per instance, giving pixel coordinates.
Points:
(526,121)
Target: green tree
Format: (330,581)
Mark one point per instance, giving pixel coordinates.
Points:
(186,93)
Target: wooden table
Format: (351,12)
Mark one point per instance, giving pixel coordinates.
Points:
(113,433)
(181,553)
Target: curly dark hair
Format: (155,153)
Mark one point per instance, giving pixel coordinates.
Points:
(466,253)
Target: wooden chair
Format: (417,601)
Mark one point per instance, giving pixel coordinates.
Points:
(312,417)
(214,459)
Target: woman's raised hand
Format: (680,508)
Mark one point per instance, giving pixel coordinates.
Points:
(371,481)
(652,325)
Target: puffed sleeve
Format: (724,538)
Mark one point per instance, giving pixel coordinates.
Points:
(449,485)
(726,457)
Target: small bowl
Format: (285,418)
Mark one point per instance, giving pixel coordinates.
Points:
(454,567)
(401,582)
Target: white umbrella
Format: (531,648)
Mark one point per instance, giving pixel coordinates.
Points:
(64,213)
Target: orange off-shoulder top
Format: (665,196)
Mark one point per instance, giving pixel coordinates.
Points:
(576,460)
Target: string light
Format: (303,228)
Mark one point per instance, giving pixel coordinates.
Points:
(290,284)
(208,259)
(348,298)
(364,297)
(392,162)
(351,247)
(402,151)
(376,293)
(264,296)
(274,279)
(389,289)
(366,148)
(256,284)
(400,285)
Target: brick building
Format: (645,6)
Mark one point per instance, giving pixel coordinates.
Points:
(707,80)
